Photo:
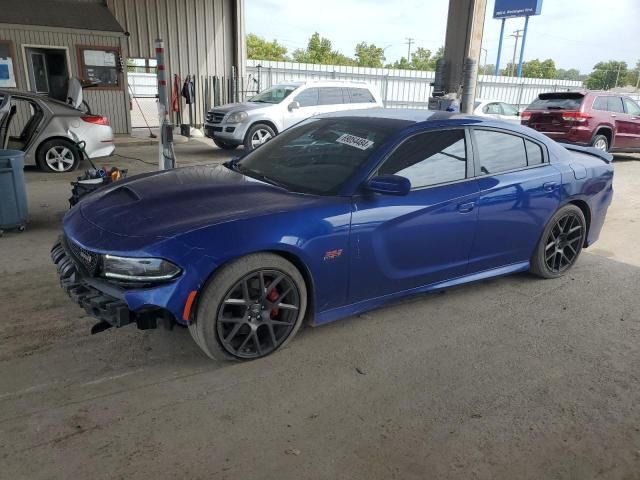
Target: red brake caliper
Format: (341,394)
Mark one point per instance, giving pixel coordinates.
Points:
(272,297)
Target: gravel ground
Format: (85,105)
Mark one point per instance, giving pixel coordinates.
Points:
(509,378)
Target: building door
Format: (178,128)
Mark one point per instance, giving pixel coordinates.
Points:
(48,71)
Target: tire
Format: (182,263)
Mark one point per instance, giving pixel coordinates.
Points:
(228,327)
(560,244)
(224,145)
(67,159)
(257,135)
(600,142)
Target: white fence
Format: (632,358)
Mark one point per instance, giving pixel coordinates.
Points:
(404,88)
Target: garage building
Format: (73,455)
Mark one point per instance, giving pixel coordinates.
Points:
(44,42)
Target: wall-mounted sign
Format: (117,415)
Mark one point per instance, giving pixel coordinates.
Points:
(100,65)
(7,73)
(516,8)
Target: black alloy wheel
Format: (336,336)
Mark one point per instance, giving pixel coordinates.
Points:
(258,314)
(563,243)
(560,243)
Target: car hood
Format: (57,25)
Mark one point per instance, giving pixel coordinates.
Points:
(168,203)
(235,107)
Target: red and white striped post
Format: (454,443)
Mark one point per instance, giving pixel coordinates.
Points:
(166,154)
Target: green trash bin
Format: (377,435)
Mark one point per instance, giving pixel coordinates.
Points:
(13,195)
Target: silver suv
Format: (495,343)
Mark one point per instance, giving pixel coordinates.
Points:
(262,117)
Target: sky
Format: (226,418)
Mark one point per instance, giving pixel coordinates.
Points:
(574,33)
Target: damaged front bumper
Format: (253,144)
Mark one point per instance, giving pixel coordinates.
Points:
(100,299)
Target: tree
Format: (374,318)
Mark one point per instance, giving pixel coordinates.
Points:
(368,55)
(260,49)
(570,74)
(533,69)
(606,75)
(421,59)
(633,76)
(319,51)
(488,69)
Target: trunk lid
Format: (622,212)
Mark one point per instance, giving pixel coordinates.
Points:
(555,112)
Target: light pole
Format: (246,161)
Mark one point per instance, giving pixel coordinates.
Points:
(484,65)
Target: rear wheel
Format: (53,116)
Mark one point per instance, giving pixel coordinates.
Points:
(58,155)
(560,244)
(251,308)
(224,145)
(600,142)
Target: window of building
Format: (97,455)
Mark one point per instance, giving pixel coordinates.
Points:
(100,65)
(429,158)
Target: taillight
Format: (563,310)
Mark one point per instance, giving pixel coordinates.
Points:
(96,119)
(575,116)
(525,115)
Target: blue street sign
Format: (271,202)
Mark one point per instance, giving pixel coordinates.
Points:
(516,8)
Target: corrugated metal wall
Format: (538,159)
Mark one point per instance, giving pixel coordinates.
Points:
(202,37)
(112,103)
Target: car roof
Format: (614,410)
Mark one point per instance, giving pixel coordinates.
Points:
(415,115)
(324,83)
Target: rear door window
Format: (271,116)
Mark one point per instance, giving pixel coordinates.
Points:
(331,96)
(492,109)
(429,158)
(308,98)
(361,95)
(600,103)
(557,101)
(509,110)
(534,153)
(499,152)
(614,104)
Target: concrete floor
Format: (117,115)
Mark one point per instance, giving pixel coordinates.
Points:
(509,378)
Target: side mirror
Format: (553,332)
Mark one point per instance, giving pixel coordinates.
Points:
(389,185)
(293,105)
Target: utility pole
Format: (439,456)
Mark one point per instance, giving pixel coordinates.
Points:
(484,65)
(617,75)
(517,34)
(409,42)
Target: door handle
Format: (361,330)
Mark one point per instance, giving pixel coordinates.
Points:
(550,186)
(466,207)
(613,115)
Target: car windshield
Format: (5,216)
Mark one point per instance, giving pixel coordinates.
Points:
(274,94)
(557,101)
(320,154)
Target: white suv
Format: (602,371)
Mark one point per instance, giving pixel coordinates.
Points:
(262,117)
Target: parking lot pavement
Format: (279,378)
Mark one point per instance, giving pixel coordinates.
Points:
(509,378)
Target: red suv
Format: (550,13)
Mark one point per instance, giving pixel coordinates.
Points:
(603,120)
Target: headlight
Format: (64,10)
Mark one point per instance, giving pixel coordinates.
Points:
(138,269)
(237,117)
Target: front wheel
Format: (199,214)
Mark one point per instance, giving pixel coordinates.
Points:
(257,135)
(560,244)
(251,308)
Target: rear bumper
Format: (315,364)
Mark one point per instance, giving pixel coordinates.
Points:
(576,135)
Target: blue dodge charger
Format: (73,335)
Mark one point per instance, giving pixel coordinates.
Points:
(337,215)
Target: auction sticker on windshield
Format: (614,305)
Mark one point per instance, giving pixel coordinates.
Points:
(353,141)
